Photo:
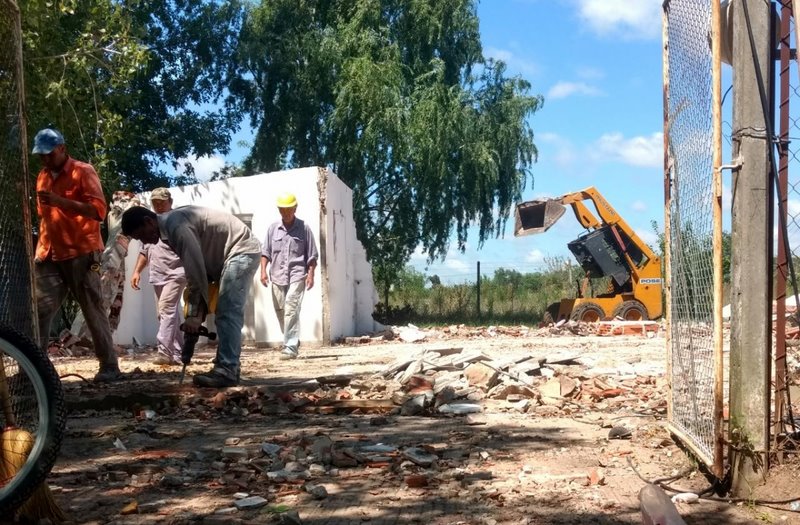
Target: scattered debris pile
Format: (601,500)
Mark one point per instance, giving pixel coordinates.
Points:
(413,334)
(649,329)
(430,382)
(452,381)
(265,478)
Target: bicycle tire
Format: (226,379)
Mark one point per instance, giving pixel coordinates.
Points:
(47,427)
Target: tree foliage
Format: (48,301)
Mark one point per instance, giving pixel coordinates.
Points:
(692,242)
(508,296)
(397,97)
(75,54)
(130,83)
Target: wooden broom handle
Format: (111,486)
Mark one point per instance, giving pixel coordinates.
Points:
(5,395)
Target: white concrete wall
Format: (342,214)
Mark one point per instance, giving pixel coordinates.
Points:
(352,292)
(341,296)
(255,197)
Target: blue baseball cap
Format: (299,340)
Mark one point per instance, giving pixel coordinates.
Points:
(46,141)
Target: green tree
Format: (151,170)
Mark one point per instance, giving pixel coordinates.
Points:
(75,54)
(176,105)
(131,84)
(397,97)
(726,249)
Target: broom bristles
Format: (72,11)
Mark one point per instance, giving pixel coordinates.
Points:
(15,446)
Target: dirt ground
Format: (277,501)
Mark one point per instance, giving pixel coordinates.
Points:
(147,450)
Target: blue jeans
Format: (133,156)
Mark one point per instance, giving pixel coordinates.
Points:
(234,285)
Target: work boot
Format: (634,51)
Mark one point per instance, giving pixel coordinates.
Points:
(288,353)
(166,358)
(108,374)
(214,379)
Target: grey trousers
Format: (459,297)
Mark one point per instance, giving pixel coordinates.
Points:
(168,299)
(81,276)
(287,300)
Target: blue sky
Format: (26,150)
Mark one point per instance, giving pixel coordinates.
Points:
(598,65)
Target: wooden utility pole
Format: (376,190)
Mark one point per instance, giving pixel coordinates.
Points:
(751,304)
(478,309)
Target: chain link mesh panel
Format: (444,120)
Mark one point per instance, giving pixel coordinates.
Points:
(793,188)
(689,244)
(16,298)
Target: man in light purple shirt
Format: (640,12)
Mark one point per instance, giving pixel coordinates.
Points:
(168,280)
(291,255)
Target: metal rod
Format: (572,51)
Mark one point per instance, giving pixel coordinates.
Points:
(667,203)
(716,191)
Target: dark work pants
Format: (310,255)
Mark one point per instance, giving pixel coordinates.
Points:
(81,276)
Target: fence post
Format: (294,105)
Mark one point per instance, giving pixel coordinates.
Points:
(751,308)
(479,291)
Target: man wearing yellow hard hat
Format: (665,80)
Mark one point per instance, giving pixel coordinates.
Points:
(288,260)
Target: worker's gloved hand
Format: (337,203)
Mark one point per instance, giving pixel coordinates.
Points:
(192,325)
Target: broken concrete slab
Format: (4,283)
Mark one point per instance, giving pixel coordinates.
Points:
(419,457)
(469,357)
(253,502)
(481,375)
(235,453)
(475,420)
(411,334)
(551,389)
(460,408)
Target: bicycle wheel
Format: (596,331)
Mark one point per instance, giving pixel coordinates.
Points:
(32,410)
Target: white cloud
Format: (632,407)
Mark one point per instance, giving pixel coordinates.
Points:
(793,207)
(418,255)
(456,264)
(498,54)
(639,206)
(562,152)
(534,257)
(625,18)
(648,236)
(515,63)
(204,167)
(641,151)
(547,136)
(565,89)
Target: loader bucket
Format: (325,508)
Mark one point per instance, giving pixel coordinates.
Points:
(536,216)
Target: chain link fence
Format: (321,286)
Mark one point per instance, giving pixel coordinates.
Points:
(16,298)
(689,247)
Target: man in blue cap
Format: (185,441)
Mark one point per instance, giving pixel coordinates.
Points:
(71,206)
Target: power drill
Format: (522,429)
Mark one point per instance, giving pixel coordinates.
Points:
(189,342)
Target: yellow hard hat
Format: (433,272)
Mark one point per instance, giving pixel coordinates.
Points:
(287,200)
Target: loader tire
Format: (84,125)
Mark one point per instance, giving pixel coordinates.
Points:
(588,313)
(551,314)
(631,311)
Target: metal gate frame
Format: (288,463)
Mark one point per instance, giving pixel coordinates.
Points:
(688,434)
